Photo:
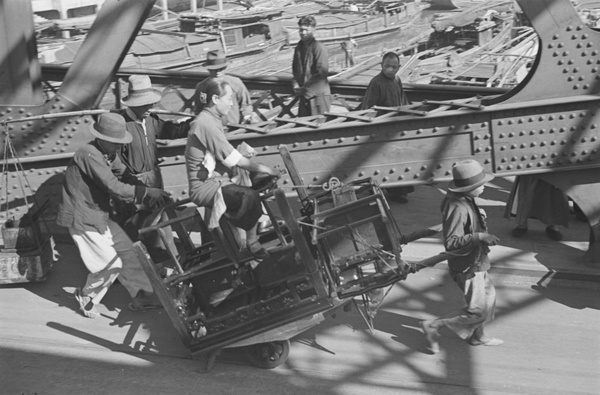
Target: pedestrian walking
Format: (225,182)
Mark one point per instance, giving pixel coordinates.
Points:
(467,240)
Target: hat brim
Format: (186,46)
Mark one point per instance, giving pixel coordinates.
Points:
(125,140)
(217,66)
(487,178)
(145,99)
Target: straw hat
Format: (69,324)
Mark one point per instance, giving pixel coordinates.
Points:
(468,175)
(111,127)
(216,60)
(141,92)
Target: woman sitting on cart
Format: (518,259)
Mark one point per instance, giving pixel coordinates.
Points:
(210,159)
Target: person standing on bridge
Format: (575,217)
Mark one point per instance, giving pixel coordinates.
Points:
(385,90)
(241,110)
(310,68)
(140,155)
(348,46)
(93,176)
(532,197)
(467,240)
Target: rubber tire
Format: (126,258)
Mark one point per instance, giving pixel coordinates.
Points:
(268,355)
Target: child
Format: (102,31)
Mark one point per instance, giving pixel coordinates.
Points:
(467,240)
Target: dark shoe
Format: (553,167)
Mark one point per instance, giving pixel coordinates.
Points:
(257,250)
(144,301)
(554,234)
(488,341)
(84,301)
(432,337)
(518,231)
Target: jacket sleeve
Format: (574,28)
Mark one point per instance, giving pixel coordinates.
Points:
(244,100)
(371,95)
(103,175)
(169,130)
(320,65)
(455,219)
(296,69)
(404,101)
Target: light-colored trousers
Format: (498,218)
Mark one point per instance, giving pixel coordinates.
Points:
(107,256)
(480,298)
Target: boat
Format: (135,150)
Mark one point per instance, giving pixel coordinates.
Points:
(184,40)
(337,21)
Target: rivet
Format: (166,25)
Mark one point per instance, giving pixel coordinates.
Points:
(295,145)
(361,174)
(384,179)
(407,169)
(341,140)
(376,172)
(392,170)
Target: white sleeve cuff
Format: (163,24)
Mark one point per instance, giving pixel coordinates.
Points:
(233,158)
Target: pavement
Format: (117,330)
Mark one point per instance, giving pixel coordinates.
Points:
(547,313)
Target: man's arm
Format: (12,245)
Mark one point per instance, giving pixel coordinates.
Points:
(321,65)
(455,219)
(245,102)
(296,70)
(404,100)
(169,130)
(371,96)
(103,175)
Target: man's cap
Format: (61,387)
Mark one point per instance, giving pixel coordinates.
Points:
(141,92)
(216,60)
(468,175)
(111,127)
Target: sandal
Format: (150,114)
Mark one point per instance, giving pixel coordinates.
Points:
(257,250)
(135,307)
(83,302)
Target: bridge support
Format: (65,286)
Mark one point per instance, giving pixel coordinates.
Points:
(583,187)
